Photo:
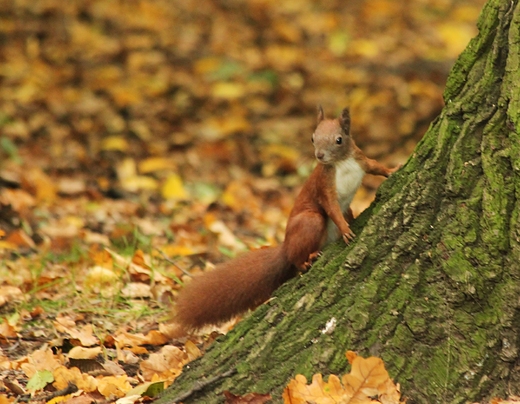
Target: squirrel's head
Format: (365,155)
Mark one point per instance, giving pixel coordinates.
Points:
(331,138)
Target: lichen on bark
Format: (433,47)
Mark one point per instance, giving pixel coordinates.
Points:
(432,282)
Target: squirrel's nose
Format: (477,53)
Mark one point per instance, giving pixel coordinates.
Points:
(320,155)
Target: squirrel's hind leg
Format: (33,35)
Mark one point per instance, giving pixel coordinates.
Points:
(304,236)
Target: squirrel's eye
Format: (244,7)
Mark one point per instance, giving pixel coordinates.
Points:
(339,140)
(312,139)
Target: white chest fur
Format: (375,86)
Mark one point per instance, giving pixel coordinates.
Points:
(349,175)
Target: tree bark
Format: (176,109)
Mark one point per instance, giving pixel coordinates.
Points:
(432,282)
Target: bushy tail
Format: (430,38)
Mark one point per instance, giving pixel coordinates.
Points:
(232,288)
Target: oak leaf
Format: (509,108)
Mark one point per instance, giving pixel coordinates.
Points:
(368,378)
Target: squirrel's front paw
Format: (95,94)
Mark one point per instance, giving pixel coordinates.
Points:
(393,170)
(348,236)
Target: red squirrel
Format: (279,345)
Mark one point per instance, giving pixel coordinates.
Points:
(319,216)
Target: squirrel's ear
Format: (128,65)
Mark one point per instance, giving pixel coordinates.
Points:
(321,115)
(344,120)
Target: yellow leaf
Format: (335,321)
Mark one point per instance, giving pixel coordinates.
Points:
(368,378)
(339,42)
(126,169)
(173,188)
(467,13)
(125,95)
(6,245)
(228,91)
(287,31)
(365,47)
(207,65)
(238,196)
(114,143)
(98,275)
(280,150)
(455,36)
(43,187)
(61,399)
(192,350)
(173,250)
(154,164)
(285,57)
(64,376)
(226,125)
(114,386)
(139,182)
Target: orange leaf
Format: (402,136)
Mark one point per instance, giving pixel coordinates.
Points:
(64,376)
(7,330)
(20,239)
(40,185)
(367,378)
(114,386)
(139,259)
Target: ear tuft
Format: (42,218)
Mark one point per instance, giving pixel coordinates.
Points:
(344,120)
(321,115)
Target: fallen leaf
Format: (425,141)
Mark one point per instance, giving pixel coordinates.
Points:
(64,376)
(136,290)
(148,389)
(79,352)
(20,239)
(83,334)
(173,188)
(39,380)
(39,184)
(114,143)
(368,378)
(8,293)
(228,90)
(154,164)
(116,386)
(102,280)
(7,330)
(250,398)
(166,364)
(40,360)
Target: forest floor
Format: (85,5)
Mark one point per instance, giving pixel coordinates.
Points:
(143,140)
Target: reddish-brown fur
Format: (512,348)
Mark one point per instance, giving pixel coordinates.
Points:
(247,281)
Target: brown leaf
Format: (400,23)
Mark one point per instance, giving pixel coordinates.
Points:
(367,378)
(165,365)
(84,334)
(250,398)
(20,239)
(7,330)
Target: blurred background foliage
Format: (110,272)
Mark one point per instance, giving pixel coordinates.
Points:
(116,111)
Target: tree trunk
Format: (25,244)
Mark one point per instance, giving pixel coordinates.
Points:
(432,282)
